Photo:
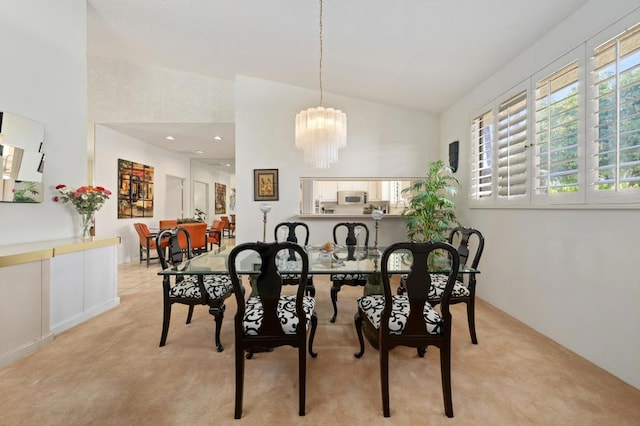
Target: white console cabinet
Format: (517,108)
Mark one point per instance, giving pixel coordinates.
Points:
(50,286)
(83,284)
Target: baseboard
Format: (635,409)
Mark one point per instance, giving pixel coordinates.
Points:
(23,351)
(72,322)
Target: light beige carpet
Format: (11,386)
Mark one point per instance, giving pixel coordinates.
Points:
(110,371)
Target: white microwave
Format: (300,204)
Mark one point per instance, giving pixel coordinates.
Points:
(346,198)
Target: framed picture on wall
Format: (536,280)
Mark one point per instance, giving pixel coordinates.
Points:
(135,190)
(221,198)
(265,184)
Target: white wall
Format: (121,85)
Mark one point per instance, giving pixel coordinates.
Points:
(43,77)
(109,147)
(383,141)
(204,173)
(570,274)
(126,92)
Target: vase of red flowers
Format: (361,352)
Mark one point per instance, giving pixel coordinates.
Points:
(86,200)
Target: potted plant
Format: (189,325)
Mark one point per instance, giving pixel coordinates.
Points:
(431,212)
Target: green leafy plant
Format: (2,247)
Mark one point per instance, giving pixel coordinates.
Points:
(431,212)
(27,193)
(200,216)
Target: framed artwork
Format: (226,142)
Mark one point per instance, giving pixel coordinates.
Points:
(265,184)
(232,200)
(221,198)
(135,190)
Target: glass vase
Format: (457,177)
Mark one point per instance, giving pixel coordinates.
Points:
(86,223)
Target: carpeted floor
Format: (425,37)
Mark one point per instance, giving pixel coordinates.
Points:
(110,371)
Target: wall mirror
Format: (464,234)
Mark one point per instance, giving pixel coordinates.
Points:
(22,159)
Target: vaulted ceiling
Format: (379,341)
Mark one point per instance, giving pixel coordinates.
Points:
(419,54)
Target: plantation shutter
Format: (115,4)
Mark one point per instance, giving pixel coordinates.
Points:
(556,138)
(512,147)
(616,79)
(482,152)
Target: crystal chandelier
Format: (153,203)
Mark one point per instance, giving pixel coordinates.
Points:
(320,131)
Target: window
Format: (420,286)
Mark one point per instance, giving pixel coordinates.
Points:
(512,147)
(585,141)
(557,116)
(615,151)
(482,152)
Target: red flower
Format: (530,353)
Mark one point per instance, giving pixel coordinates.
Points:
(60,186)
(99,188)
(56,199)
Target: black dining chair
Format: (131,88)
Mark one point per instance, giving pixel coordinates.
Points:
(410,320)
(470,243)
(295,232)
(351,234)
(269,318)
(211,290)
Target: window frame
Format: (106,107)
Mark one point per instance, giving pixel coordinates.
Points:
(593,196)
(474,156)
(578,197)
(587,197)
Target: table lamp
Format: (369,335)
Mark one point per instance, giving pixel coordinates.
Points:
(377,215)
(264,208)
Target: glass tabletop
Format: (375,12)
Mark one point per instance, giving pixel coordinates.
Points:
(339,260)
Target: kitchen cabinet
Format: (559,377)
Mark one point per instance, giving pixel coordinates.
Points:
(326,190)
(319,192)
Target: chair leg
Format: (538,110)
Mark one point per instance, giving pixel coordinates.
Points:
(190,314)
(166,317)
(310,289)
(218,315)
(314,325)
(302,376)
(357,319)
(335,288)
(471,318)
(384,378)
(445,373)
(239,380)
(401,289)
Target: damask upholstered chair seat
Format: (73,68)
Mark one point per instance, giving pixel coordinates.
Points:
(373,306)
(470,243)
(272,316)
(286,313)
(439,282)
(216,286)
(410,320)
(209,290)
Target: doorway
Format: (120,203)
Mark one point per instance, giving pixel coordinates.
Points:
(201,197)
(174,201)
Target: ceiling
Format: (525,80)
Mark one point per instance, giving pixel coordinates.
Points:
(419,54)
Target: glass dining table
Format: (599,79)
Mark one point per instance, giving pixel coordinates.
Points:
(340,260)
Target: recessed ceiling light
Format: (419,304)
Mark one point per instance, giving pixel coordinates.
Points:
(218,138)
(199,151)
(170,137)
(228,165)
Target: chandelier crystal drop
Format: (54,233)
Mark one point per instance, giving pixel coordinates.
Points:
(320,131)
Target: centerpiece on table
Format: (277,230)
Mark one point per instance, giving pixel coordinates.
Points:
(87,200)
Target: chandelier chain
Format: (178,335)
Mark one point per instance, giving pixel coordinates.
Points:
(321,96)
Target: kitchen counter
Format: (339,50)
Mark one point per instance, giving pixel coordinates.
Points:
(344,216)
